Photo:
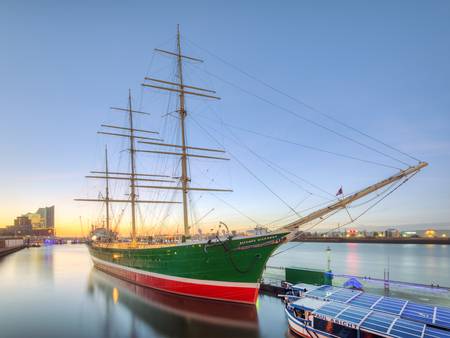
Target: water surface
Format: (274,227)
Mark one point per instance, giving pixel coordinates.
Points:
(54,291)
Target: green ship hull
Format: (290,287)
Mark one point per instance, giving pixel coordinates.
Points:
(227,270)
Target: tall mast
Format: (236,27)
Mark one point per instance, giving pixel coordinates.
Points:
(107,189)
(182,112)
(132,169)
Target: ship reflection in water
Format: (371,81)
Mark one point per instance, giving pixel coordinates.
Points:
(168,315)
(54,292)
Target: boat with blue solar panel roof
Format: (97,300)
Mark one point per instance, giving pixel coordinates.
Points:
(329,311)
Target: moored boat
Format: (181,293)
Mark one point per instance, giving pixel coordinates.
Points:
(328,311)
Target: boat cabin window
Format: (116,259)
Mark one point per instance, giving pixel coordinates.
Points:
(335,329)
(299,313)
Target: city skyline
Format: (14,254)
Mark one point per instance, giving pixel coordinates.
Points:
(59,84)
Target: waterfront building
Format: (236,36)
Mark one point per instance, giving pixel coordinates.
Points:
(22,226)
(39,223)
(432,233)
(392,233)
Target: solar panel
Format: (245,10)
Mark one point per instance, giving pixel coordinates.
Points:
(343,295)
(406,329)
(323,291)
(331,309)
(378,322)
(375,321)
(353,314)
(426,314)
(365,300)
(390,305)
(418,312)
(431,332)
(442,317)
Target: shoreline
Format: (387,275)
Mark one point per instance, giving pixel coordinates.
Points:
(402,240)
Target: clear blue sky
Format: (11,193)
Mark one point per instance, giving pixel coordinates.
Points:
(382,67)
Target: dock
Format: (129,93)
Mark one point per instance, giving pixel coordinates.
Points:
(8,245)
(7,251)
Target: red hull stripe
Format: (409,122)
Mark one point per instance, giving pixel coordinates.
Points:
(226,291)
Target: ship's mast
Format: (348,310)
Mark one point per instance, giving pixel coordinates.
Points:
(132,169)
(108,228)
(182,114)
(130,176)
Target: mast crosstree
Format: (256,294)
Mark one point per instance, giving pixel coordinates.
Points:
(131,176)
(180,88)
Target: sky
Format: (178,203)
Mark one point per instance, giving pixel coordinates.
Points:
(381,67)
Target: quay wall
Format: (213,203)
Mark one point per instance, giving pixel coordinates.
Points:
(10,245)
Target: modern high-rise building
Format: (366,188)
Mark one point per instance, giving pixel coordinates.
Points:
(47,216)
(43,218)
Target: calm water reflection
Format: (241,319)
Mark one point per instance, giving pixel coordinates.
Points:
(54,292)
(419,263)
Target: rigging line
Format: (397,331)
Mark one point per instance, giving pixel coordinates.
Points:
(230,205)
(235,209)
(247,169)
(304,103)
(271,165)
(373,198)
(301,233)
(202,218)
(276,138)
(293,113)
(386,194)
(273,223)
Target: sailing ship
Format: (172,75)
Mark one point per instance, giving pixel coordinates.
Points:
(225,267)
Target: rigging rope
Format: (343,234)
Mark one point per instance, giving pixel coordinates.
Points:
(306,119)
(310,107)
(276,138)
(247,169)
(352,221)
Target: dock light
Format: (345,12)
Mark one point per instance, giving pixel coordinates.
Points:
(116,256)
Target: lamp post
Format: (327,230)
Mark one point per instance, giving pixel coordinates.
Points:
(328,251)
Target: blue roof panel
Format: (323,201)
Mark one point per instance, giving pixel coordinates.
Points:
(443,317)
(378,322)
(390,305)
(331,309)
(431,332)
(323,291)
(353,314)
(405,328)
(343,295)
(418,312)
(365,300)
